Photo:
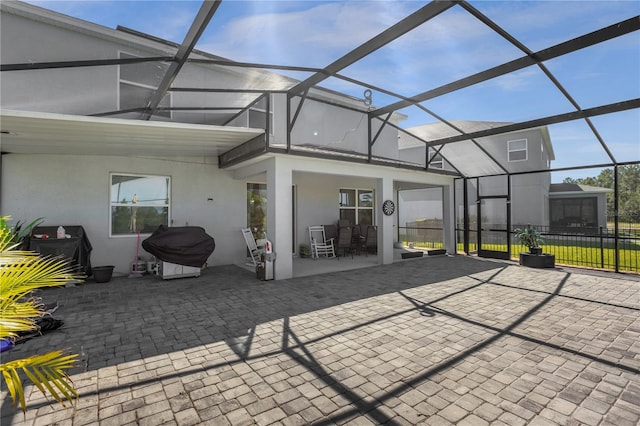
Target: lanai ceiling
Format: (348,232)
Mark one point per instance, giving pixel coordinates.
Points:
(573,67)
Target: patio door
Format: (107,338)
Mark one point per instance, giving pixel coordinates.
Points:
(493,227)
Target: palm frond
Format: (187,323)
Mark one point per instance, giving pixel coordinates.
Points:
(21,272)
(29,272)
(18,316)
(46,372)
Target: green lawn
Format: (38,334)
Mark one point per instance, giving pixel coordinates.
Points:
(575,253)
(578,253)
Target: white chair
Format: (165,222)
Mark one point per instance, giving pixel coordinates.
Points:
(254,250)
(319,245)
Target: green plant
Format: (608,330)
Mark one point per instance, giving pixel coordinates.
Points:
(21,272)
(529,237)
(22,231)
(304,250)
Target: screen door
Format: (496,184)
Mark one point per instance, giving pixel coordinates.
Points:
(493,227)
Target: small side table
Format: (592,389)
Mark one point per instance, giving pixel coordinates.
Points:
(544,260)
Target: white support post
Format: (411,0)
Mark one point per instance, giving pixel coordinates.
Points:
(387,224)
(448,220)
(279,219)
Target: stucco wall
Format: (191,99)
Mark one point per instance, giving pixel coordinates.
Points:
(497,146)
(74,190)
(318,197)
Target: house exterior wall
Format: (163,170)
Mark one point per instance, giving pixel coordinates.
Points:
(88,90)
(92,90)
(74,190)
(318,196)
(537,157)
(24,40)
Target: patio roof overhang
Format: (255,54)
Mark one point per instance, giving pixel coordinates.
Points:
(46,133)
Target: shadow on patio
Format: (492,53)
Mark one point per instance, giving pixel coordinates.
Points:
(392,343)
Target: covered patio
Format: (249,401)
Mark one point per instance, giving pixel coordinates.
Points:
(442,340)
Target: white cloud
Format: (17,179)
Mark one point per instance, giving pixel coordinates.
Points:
(313,37)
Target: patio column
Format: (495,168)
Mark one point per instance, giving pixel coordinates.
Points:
(448,219)
(386,224)
(279,215)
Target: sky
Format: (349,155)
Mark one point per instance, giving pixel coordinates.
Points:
(451,46)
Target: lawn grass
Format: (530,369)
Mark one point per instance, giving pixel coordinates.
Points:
(580,254)
(572,251)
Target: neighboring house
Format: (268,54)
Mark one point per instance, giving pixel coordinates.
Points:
(77,150)
(534,200)
(578,208)
(515,152)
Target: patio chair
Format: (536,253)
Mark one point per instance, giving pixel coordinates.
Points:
(253,248)
(331,232)
(345,240)
(344,222)
(370,243)
(356,238)
(320,245)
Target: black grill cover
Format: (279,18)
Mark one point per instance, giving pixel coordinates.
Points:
(184,245)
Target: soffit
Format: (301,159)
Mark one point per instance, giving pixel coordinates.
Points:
(46,133)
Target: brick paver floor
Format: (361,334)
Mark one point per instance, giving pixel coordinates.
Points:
(439,340)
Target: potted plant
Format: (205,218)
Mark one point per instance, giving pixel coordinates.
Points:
(530,238)
(304,250)
(22,273)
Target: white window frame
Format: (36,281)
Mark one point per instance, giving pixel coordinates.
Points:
(357,207)
(511,150)
(436,160)
(119,203)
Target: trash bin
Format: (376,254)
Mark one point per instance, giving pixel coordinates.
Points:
(264,268)
(269,260)
(260,270)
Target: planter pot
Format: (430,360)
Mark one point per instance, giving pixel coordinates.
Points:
(102,274)
(434,252)
(535,250)
(411,254)
(538,261)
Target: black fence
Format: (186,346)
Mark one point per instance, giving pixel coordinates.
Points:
(422,237)
(592,247)
(585,247)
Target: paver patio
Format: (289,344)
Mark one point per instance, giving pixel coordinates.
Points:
(438,340)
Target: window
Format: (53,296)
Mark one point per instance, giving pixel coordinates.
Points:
(437,162)
(517,150)
(575,214)
(356,206)
(138,203)
(138,82)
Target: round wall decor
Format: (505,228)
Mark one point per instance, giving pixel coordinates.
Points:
(388,207)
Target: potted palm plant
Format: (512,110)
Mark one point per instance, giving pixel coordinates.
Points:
(22,272)
(530,238)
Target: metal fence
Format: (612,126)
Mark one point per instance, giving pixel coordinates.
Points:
(422,237)
(590,247)
(586,247)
